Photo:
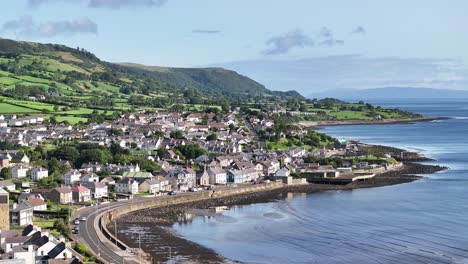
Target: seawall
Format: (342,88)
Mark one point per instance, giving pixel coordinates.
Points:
(113,214)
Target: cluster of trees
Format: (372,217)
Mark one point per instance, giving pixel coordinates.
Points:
(79,154)
(23,91)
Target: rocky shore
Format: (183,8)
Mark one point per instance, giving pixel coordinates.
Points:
(163,244)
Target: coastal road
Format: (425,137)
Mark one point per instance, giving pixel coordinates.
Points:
(88,234)
(101,246)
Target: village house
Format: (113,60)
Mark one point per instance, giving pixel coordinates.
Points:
(62,195)
(37,201)
(270,167)
(164,184)
(80,194)
(89,177)
(22,214)
(182,178)
(91,167)
(149,186)
(39,173)
(98,189)
(203,178)
(242,175)
(217,175)
(71,177)
(126,186)
(18,157)
(19,171)
(7,185)
(108,181)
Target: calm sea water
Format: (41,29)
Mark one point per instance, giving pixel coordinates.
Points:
(421,222)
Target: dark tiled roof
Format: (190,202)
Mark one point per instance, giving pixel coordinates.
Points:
(59,248)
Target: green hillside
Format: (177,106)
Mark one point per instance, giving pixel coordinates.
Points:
(205,79)
(78,74)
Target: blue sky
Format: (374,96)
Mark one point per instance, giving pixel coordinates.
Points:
(295,44)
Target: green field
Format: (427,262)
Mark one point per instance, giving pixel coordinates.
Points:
(71,119)
(8,80)
(6,108)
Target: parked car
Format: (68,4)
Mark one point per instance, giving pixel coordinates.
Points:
(83,218)
(172,193)
(77,221)
(76,230)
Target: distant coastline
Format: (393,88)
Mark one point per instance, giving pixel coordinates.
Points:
(376,122)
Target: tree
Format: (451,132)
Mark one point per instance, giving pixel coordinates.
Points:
(177,134)
(5,173)
(60,226)
(212,137)
(94,155)
(65,153)
(191,151)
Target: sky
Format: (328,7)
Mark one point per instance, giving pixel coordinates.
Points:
(306,45)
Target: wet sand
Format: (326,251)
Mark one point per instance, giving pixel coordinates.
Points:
(163,244)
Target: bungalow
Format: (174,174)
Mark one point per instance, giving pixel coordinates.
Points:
(127,186)
(217,175)
(71,177)
(39,173)
(19,171)
(61,195)
(81,194)
(149,186)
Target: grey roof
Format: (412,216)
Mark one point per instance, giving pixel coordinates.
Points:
(59,248)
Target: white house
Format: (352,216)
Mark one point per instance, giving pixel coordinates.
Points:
(39,173)
(127,186)
(217,175)
(71,177)
(19,171)
(98,189)
(90,177)
(284,172)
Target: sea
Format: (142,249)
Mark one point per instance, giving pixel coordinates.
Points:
(425,221)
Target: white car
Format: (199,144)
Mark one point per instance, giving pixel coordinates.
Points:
(83,218)
(76,222)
